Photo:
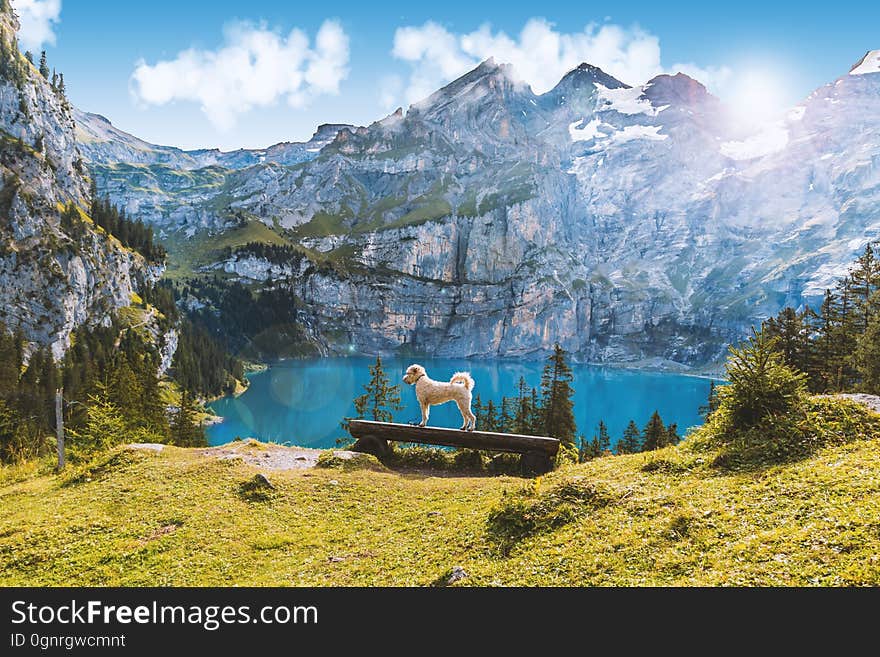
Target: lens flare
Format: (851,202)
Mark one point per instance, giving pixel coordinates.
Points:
(757,96)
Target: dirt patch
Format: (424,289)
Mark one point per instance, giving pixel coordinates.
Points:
(267,456)
(146,447)
(164,530)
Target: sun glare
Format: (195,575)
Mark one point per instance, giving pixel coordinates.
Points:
(757,96)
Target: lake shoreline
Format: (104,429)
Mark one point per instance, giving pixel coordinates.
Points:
(302,400)
(649,365)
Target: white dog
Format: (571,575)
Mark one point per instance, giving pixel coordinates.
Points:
(430,393)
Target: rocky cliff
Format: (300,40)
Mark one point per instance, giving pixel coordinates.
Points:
(58,271)
(630,224)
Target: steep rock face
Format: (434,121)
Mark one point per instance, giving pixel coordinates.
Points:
(169,187)
(52,279)
(630,224)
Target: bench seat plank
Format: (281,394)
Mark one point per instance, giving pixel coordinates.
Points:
(486,440)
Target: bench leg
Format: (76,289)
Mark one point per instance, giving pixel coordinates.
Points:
(370,445)
(535,463)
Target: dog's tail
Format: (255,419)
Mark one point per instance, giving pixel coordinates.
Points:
(463,379)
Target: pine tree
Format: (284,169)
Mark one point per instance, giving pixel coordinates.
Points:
(865,277)
(844,335)
(826,350)
(654,434)
(490,417)
(523,408)
(588,449)
(672,437)
(10,365)
(507,414)
(868,357)
(12,430)
(556,394)
(153,412)
(761,384)
(125,391)
(602,439)
(380,398)
(477,409)
(711,402)
(105,427)
(44,67)
(792,338)
(36,389)
(631,443)
(185,430)
(535,419)
(28,55)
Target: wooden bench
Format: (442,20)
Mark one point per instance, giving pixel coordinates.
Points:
(538,452)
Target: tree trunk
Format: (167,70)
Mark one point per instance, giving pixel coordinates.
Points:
(59,425)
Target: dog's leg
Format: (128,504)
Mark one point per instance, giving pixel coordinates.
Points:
(465,414)
(473,419)
(426,413)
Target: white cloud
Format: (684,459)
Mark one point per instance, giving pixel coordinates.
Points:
(255,67)
(390,90)
(540,55)
(38,19)
(717,79)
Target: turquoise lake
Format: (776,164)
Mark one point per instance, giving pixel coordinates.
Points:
(301,402)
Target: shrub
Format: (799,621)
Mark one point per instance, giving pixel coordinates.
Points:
(100,465)
(566,455)
(761,385)
(528,511)
(505,464)
(105,427)
(345,460)
(469,460)
(256,489)
(420,457)
(825,421)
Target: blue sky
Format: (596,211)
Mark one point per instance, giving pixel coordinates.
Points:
(231,74)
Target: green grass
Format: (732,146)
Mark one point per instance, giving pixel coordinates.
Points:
(186,255)
(323,224)
(170,179)
(431,210)
(429,207)
(672,517)
(506,198)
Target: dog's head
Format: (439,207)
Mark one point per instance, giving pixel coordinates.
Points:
(413,374)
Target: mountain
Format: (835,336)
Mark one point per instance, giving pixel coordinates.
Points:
(103,143)
(58,270)
(630,224)
(165,185)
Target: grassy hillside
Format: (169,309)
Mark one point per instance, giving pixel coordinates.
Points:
(186,255)
(679,516)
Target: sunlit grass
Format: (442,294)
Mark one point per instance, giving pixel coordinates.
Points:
(666,518)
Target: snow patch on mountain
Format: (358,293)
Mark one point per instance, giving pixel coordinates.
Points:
(627,101)
(588,132)
(870,63)
(631,132)
(770,139)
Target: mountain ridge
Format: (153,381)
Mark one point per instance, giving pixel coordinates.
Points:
(631,224)
(58,269)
